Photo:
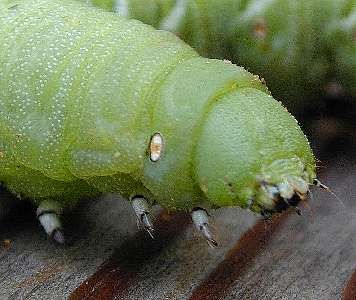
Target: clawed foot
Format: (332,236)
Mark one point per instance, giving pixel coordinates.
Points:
(48,213)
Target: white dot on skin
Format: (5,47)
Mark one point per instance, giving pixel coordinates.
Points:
(156,147)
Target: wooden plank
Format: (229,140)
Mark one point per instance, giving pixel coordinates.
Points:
(303,258)
(32,267)
(310,257)
(349,292)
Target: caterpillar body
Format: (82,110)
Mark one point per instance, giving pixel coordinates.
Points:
(92,103)
(302,48)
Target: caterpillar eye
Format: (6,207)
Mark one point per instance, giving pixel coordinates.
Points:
(156,147)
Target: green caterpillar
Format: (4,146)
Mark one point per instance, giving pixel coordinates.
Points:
(304,49)
(93,103)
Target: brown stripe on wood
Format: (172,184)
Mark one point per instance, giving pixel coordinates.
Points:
(237,260)
(114,277)
(349,292)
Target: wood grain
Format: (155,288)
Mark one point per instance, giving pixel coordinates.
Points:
(308,257)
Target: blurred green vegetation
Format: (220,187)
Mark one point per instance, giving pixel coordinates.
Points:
(305,49)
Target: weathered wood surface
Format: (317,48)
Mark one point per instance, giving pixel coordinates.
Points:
(308,257)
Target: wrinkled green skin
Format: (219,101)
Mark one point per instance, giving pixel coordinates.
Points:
(302,48)
(83,90)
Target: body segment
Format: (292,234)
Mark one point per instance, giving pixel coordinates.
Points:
(68,57)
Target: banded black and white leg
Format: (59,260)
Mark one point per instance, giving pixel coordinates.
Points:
(200,219)
(48,214)
(141,208)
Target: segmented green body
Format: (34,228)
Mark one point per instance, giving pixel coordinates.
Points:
(82,91)
(302,48)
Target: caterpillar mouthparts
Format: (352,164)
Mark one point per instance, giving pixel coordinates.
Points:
(276,198)
(282,204)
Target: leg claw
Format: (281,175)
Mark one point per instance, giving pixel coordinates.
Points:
(201,222)
(142,212)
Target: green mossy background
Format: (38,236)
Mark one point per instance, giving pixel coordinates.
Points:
(305,50)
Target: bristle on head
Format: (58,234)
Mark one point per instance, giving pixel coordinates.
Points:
(318,183)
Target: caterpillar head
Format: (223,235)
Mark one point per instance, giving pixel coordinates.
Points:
(224,141)
(252,153)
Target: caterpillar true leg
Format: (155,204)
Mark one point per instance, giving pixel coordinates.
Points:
(142,211)
(201,222)
(48,213)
